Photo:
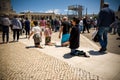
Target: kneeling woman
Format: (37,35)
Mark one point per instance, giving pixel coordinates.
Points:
(74,36)
(36,30)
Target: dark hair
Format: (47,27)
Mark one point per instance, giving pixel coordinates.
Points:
(15,16)
(26,18)
(35,23)
(116,17)
(42,18)
(76,20)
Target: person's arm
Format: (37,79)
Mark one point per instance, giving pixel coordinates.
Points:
(30,34)
(60,31)
(9,22)
(99,19)
(41,33)
(71,35)
(45,33)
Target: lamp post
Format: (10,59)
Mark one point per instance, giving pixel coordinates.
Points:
(101,4)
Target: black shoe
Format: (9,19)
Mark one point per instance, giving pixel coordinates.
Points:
(102,50)
(117,38)
(82,53)
(119,46)
(76,53)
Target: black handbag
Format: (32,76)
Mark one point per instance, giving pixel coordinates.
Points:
(96,38)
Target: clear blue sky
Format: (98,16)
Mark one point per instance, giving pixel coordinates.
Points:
(60,6)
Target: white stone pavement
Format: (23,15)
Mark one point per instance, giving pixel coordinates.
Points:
(106,66)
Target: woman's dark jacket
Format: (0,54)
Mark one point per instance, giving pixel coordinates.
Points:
(74,37)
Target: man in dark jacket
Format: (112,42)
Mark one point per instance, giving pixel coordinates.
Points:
(105,19)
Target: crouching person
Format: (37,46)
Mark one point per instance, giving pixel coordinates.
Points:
(37,34)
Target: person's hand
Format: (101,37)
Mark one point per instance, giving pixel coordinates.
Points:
(96,28)
(29,37)
(59,36)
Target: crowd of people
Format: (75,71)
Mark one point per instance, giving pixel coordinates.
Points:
(69,30)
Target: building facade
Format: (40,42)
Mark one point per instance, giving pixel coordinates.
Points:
(5,7)
(39,15)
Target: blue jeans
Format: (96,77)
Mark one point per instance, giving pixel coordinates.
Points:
(80,28)
(103,39)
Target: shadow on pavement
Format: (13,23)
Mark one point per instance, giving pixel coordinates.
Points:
(58,46)
(2,43)
(92,52)
(67,56)
(30,47)
(13,41)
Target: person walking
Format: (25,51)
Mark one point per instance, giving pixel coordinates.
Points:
(105,18)
(17,26)
(27,27)
(42,24)
(85,24)
(5,28)
(114,25)
(81,25)
(56,24)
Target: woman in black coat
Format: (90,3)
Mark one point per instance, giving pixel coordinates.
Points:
(74,35)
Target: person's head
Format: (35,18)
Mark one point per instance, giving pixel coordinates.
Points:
(15,16)
(75,21)
(65,18)
(26,18)
(48,25)
(105,5)
(116,17)
(35,23)
(6,15)
(42,18)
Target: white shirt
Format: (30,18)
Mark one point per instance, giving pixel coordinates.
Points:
(36,30)
(81,23)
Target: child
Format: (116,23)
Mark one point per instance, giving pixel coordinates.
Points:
(36,30)
(48,33)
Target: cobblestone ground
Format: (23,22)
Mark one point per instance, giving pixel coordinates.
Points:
(19,63)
